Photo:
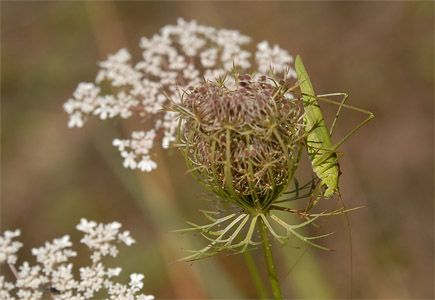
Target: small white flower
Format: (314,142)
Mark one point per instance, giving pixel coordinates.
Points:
(96,256)
(30,277)
(104,109)
(121,144)
(86,91)
(75,120)
(145,297)
(117,69)
(142,142)
(190,72)
(129,159)
(111,272)
(5,288)
(146,164)
(272,58)
(29,294)
(137,135)
(69,106)
(136,281)
(53,254)
(177,62)
(126,238)
(209,57)
(91,279)
(63,279)
(63,242)
(9,248)
(85,225)
(167,140)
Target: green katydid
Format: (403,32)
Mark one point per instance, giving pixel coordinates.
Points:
(322,153)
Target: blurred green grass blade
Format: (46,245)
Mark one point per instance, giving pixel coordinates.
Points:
(307,280)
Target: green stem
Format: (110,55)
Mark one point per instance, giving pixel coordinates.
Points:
(255,275)
(268,256)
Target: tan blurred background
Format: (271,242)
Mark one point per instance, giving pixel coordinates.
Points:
(381,53)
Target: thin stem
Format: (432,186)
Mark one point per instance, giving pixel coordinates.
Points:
(255,275)
(14,271)
(268,256)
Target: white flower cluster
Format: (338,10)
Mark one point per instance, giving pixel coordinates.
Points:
(140,143)
(9,248)
(180,56)
(53,276)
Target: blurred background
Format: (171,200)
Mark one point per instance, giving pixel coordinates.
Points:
(380,53)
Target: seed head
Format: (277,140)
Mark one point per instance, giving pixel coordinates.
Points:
(243,142)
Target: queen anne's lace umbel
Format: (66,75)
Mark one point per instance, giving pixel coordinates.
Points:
(52,277)
(178,57)
(245,139)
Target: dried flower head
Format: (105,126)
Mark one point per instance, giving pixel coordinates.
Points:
(243,142)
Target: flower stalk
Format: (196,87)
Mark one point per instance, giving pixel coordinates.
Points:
(268,257)
(255,275)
